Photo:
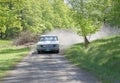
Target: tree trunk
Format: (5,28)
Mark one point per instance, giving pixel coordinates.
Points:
(86,42)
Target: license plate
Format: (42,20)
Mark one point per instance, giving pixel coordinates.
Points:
(47,49)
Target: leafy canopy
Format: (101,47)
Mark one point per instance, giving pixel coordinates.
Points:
(86,15)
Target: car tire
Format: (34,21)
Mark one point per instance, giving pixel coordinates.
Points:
(38,51)
(57,51)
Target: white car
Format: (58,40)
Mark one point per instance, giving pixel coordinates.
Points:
(48,43)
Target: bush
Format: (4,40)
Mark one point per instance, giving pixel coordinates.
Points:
(26,37)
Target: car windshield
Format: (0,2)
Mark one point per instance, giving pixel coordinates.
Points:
(48,38)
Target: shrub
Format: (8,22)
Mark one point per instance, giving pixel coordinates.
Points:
(26,37)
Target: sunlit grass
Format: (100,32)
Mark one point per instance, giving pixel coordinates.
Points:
(102,58)
(10,56)
(5,42)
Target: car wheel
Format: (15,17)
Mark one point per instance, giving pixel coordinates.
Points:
(38,51)
(57,51)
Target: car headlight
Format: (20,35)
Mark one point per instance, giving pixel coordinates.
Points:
(39,45)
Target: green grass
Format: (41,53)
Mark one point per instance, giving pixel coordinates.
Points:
(10,56)
(5,42)
(101,58)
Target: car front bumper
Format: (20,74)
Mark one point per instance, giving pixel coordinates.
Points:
(48,47)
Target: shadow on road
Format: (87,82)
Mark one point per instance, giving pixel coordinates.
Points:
(48,68)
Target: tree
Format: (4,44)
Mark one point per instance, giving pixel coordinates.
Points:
(62,13)
(8,18)
(113,15)
(36,16)
(87,17)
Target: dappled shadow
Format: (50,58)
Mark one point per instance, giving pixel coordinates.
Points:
(48,68)
(102,55)
(110,48)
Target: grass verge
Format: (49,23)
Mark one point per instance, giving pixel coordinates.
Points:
(10,56)
(5,43)
(101,58)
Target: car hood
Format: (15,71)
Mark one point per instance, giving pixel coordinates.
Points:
(47,42)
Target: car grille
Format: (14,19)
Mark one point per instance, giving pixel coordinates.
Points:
(48,45)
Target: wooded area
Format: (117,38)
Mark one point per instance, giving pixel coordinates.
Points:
(34,15)
(38,16)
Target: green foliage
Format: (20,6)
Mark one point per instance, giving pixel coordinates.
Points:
(86,15)
(10,23)
(39,16)
(102,58)
(36,16)
(113,15)
(62,13)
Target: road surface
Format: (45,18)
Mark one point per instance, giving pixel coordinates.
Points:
(48,68)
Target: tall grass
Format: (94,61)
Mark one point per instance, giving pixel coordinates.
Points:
(102,58)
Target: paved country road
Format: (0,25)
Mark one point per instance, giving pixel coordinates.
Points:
(48,68)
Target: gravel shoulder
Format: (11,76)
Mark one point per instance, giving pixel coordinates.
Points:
(48,68)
